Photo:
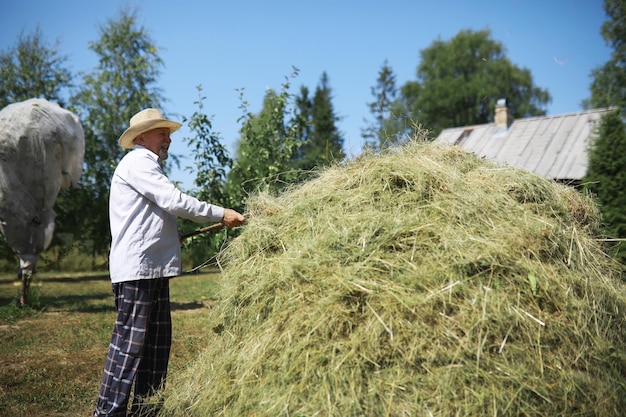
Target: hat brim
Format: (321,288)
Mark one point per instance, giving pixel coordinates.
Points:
(127,138)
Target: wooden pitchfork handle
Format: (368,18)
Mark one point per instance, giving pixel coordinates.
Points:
(215,226)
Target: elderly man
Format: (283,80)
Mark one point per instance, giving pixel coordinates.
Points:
(145,254)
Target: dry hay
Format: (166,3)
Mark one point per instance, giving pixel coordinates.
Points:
(421,282)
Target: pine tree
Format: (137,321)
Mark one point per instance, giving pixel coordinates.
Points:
(304,109)
(380,133)
(324,143)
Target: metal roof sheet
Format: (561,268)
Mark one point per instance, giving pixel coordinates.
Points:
(551,146)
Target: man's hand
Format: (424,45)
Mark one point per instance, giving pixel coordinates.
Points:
(232,218)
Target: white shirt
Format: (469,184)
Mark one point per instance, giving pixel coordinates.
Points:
(143,207)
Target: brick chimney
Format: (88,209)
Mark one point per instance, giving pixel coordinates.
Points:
(503,118)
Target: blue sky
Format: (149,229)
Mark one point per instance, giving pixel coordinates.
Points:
(253,44)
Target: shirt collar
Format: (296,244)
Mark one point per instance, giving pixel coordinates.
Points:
(152,154)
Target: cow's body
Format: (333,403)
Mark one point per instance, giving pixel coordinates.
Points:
(41,152)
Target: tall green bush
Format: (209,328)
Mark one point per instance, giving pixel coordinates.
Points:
(606,177)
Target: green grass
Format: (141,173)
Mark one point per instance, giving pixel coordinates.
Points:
(52,354)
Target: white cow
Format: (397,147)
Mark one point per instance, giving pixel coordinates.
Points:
(41,152)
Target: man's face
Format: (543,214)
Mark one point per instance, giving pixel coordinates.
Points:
(157,140)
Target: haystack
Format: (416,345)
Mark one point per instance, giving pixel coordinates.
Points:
(421,282)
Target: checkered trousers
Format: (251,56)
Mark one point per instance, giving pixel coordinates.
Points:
(140,345)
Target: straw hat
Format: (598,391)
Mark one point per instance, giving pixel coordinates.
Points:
(143,121)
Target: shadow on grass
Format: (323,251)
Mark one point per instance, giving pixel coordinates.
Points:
(59,294)
(75,280)
(97,302)
(91,303)
(86,307)
(191,305)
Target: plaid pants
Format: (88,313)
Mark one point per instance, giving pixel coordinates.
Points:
(140,346)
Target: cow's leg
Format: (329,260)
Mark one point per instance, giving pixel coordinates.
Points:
(27,269)
(27,277)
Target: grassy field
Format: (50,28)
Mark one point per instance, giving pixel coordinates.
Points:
(52,355)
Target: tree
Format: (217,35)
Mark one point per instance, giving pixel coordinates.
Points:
(211,165)
(265,151)
(606,176)
(459,82)
(123,83)
(211,156)
(608,87)
(607,158)
(324,143)
(386,127)
(304,109)
(32,69)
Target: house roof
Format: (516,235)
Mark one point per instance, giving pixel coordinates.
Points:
(554,147)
